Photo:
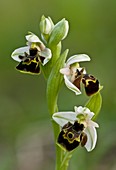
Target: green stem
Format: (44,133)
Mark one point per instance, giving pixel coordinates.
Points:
(65,160)
(56,130)
(62,158)
(53,86)
(55,55)
(58,149)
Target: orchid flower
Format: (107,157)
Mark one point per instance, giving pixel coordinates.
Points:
(83,116)
(73,72)
(74,75)
(32,55)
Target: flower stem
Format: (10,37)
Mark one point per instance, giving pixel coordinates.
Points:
(58,149)
(62,158)
(65,160)
(53,86)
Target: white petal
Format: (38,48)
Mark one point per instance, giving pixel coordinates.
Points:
(65,71)
(91,138)
(87,112)
(77,58)
(20,51)
(64,117)
(71,86)
(32,38)
(47,54)
(78,110)
(94,124)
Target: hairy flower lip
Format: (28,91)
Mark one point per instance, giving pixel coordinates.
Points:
(91,84)
(71,136)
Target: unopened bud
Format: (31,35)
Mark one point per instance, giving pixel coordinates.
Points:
(46,25)
(59,32)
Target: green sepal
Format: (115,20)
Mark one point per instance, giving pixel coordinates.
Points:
(94,104)
(58,33)
(54,82)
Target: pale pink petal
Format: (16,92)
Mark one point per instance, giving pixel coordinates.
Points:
(65,71)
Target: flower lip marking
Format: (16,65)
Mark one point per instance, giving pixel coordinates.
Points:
(71,136)
(29,63)
(29,67)
(91,84)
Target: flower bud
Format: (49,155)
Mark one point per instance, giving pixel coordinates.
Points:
(59,32)
(46,25)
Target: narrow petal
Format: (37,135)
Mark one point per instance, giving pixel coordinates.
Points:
(65,71)
(63,118)
(85,111)
(88,113)
(94,124)
(19,52)
(32,38)
(78,110)
(47,54)
(91,138)
(71,86)
(78,58)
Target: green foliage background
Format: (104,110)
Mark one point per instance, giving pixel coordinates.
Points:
(26,139)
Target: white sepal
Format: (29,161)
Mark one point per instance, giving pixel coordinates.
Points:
(20,52)
(32,38)
(91,138)
(77,58)
(71,86)
(63,118)
(47,54)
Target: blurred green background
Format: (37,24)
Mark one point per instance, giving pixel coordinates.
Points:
(26,137)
